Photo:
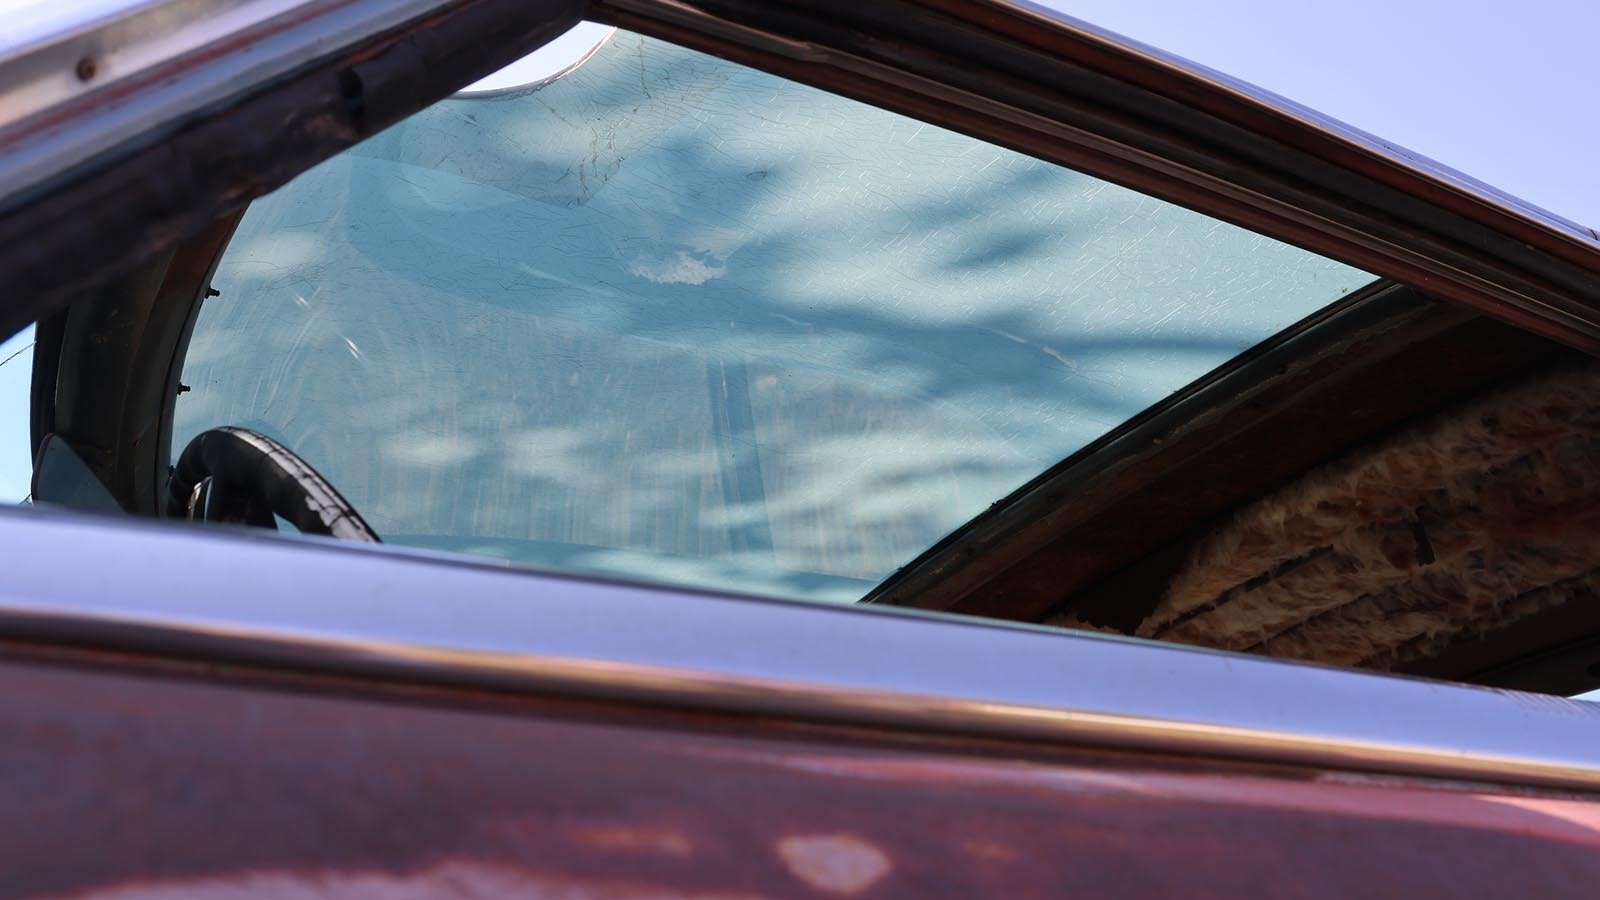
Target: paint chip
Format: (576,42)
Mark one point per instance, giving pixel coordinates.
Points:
(836,863)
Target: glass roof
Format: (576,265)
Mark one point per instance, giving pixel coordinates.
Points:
(677,320)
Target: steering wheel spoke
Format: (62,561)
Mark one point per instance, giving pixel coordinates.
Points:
(242,476)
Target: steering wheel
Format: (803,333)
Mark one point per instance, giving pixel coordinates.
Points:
(237,475)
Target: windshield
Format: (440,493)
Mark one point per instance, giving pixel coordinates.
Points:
(674,319)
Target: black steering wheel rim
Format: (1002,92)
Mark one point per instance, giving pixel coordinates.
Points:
(237,475)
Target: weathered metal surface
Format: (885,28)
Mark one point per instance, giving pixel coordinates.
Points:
(126,786)
(76,228)
(132,67)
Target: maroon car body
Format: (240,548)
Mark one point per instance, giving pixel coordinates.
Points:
(191,712)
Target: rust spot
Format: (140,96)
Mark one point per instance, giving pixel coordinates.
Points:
(86,69)
(834,863)
(663,841)
(990,851)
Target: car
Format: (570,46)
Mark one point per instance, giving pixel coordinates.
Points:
(642,447)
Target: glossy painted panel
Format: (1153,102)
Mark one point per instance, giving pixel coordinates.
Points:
(138,787)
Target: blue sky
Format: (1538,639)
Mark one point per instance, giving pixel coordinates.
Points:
(1500,91)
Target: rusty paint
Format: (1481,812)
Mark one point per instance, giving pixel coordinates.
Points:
(123,90)
(634,839)
(141,786)
(990,851)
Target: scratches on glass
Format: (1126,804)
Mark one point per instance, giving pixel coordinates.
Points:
(677,320)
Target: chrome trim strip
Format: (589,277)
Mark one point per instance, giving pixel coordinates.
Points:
(83,88)
(388,613)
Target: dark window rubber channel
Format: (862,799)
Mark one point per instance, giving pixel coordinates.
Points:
(1269,413)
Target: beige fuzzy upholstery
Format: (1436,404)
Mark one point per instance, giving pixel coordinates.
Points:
(1463,523)
(1071,620)
(1582,588)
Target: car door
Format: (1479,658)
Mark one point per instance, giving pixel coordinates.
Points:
(558,675)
